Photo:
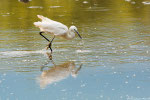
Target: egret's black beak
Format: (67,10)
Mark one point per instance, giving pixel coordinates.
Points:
(78,33)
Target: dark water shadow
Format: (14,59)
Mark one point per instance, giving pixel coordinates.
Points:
(24,1)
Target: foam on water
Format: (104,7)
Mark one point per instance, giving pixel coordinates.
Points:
(35,7)
(7,54)
(21,53)
(55,6)
(146,2)
(83,51)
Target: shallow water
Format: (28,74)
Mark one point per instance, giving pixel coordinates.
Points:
(111,62)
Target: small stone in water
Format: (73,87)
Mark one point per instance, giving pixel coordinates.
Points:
(85,1)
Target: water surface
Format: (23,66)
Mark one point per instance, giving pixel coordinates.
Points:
(111,62)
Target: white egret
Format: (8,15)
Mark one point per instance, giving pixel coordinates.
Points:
(55,28)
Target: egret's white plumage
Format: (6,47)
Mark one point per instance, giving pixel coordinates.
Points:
(56,28)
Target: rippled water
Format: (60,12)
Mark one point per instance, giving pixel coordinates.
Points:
(111,62)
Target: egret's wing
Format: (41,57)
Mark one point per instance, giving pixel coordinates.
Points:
(48,25)
(52,27)
(56,28)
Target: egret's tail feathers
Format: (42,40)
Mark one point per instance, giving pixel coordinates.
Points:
(43,18)
(40,16)
(37,24)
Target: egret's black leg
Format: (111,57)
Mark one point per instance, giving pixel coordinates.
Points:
(44,36)
(50,44)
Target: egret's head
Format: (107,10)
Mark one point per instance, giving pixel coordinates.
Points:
(74,29)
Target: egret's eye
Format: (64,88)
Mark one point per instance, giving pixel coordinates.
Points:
(75,30)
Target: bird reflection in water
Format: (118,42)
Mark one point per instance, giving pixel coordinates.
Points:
(57,73)
(25,1)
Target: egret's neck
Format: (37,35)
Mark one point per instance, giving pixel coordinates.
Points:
(70,34)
